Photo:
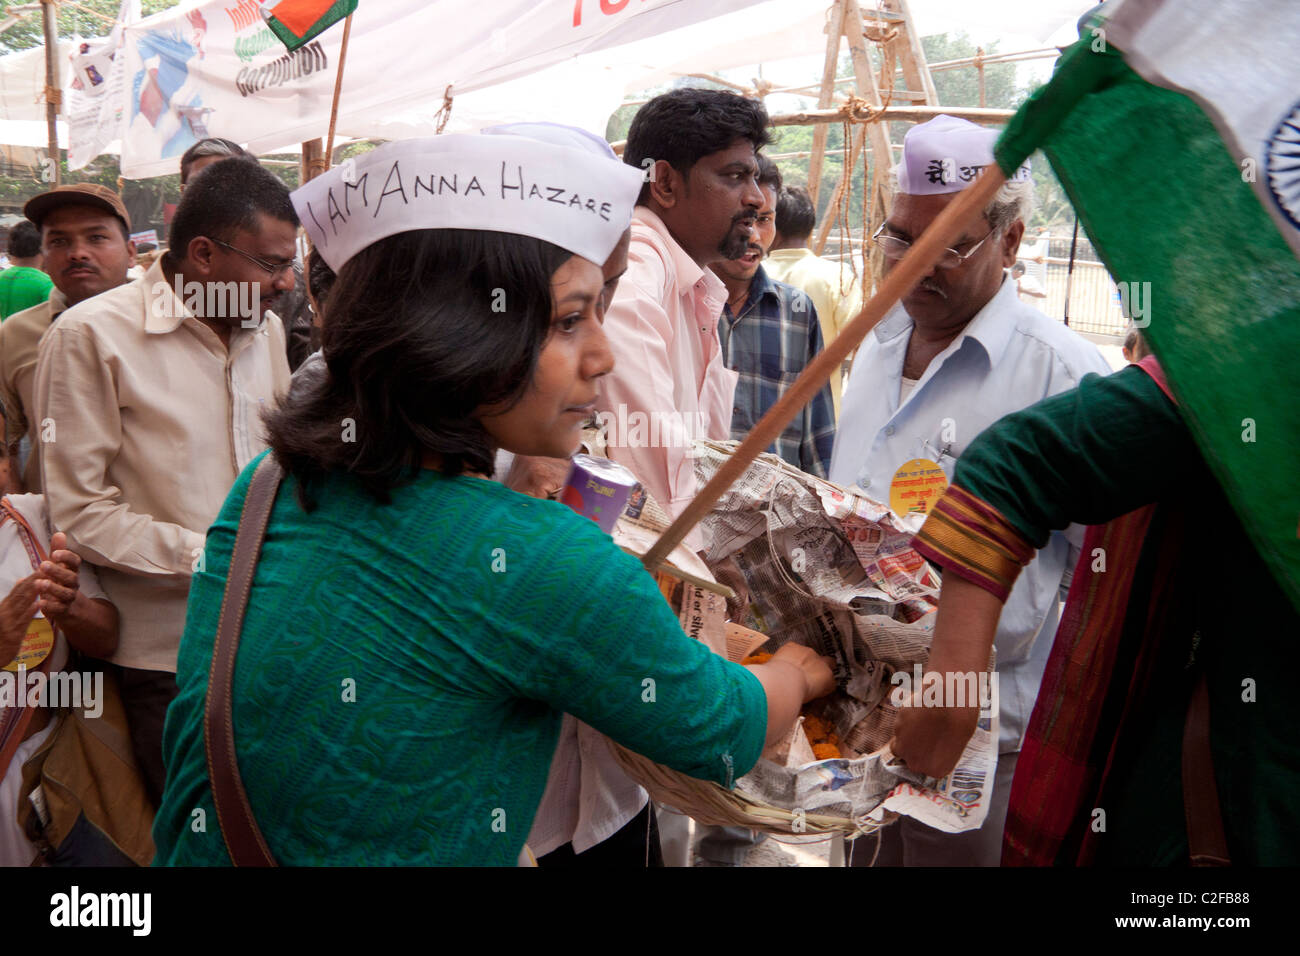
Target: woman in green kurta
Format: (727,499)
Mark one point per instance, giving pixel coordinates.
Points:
(415,631)
(1165,595)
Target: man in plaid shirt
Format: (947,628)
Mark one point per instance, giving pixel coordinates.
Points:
(769,333)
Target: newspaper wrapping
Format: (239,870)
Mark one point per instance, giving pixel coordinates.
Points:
(832,569)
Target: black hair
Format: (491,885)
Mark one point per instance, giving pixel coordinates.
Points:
(25,240)
(683,126)
(768,174)
(320,277)
(422,329)
(225,198)
(795,215)
(212,146)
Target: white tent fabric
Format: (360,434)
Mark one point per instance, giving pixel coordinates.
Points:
(210,67)
(31,133)
(22,83)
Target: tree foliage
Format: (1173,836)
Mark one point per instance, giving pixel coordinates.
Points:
(71,21)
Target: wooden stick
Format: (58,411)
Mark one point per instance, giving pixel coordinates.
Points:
(826,96)
(675,572)
(338,88)
(309,164)
(943,232)
(53,90)
(909,114)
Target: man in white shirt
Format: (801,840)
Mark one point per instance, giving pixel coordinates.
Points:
(959,352)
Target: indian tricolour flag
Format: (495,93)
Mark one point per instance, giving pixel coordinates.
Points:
(1174,126)
(296,22)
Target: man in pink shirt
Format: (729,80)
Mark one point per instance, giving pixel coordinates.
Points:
(699,205)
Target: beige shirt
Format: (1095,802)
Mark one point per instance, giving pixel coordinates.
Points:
(151,420)
(20,336)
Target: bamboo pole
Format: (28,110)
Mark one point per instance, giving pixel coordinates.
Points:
(877,135)
(338,88)
(312,151)
(317,157)
(53,90)
(910,114)
(834,30)
(915,69)
(943,232)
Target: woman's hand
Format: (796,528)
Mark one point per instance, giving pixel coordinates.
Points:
(794,676)
(16,613)
(819,679)
(538,477)
(931,739)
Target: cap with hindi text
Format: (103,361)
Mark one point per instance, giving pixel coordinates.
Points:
(945,155)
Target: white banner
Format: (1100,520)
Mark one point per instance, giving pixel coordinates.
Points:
(215,69)
(95,90)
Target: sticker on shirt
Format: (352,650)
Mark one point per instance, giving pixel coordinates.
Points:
(36,646)
(916,487)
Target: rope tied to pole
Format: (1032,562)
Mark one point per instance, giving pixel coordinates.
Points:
(444,111)
(857,110)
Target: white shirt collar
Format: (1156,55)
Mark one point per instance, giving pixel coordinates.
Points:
(991,327)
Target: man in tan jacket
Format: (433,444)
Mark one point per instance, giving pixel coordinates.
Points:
(85,237)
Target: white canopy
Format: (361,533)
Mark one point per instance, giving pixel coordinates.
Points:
(211,67)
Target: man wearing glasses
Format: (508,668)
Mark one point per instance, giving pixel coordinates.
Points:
(959,352)
(149,401)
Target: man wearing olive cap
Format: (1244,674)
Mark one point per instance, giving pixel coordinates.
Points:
(85,234)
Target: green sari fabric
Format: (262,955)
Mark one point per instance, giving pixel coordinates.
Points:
(1110,446)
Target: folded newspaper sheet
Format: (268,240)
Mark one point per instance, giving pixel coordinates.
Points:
(830,568)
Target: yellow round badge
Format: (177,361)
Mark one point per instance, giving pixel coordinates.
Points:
(36,646)
(916,486)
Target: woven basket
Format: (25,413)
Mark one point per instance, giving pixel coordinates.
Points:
(706,802)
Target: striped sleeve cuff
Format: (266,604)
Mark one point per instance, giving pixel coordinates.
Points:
(969,538)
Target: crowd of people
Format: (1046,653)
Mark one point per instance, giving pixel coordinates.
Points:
(431,648)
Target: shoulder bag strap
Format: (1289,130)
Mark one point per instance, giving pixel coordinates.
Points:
(239,828)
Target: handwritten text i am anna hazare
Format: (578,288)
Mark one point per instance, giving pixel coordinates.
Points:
(513,184)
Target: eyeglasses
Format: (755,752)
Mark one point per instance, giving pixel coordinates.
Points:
(274,268)
(895,248)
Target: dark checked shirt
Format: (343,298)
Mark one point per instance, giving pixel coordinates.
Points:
(773,339)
